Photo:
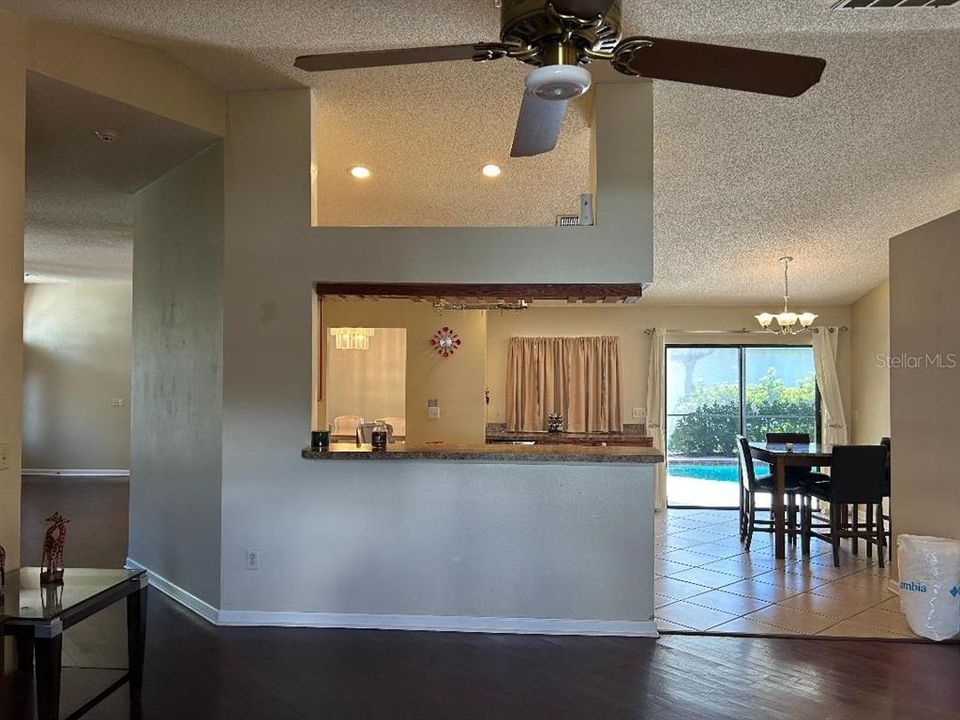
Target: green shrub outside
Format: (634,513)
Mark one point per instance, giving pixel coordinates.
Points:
(713,414)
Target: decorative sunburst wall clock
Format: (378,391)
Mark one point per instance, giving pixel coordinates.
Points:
(445,341)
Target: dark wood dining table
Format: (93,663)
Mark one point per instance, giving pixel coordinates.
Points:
(806,455)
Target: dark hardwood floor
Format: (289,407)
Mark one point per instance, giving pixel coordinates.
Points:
(197,671)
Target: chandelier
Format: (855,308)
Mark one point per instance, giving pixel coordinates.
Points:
(786,320)
(352,338)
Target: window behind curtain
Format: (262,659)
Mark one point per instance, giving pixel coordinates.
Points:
(578,377)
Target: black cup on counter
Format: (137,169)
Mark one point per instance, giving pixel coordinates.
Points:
(319,439)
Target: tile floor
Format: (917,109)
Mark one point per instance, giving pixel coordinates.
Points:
(706,582)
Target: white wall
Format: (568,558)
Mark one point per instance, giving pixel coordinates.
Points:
(76,362)
(454,539)
(272,258)
(176,403)
(925,394)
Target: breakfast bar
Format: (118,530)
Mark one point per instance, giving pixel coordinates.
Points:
(498,538)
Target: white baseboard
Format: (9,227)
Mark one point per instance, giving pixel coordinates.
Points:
(436,623)
(441,623)
(75,472)
(202,608)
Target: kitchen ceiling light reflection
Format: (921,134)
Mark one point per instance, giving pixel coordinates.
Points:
(352,338)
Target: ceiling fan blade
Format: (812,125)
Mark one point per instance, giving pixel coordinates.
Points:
(583,8)
(381,58)
(722,66)
(538,126)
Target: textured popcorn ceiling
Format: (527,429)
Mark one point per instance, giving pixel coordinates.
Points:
(740,179)
(79,210)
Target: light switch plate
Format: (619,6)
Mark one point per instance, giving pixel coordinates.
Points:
(253,559)
(640,414)
(433,413)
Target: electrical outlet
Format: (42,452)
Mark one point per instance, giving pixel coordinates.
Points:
(4,457)
(640,414)
(253,559)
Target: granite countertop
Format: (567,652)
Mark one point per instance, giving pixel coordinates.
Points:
(569,438)
(489,453)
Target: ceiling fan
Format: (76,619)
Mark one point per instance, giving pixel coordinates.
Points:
(559,37)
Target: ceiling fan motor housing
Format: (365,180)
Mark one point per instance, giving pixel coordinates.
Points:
(532,24)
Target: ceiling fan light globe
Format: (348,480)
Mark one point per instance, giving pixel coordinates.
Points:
(558,82)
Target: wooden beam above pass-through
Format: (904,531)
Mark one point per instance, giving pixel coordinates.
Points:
(588,293)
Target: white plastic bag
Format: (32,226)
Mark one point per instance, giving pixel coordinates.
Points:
(929,570)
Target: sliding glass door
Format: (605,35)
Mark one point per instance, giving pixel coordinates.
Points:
(714,393)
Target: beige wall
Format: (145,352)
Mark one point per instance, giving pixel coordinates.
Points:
(925,397)
(456,381)
(869,375)
(369,383)
(143,77)
(76,361)
(12,125)
(628,323)
(138,75)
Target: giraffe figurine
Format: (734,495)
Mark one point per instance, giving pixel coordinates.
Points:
(51,562)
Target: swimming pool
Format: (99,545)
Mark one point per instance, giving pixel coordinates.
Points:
(717,473)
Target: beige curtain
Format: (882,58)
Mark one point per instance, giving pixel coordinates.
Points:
(656,388)
(578,377)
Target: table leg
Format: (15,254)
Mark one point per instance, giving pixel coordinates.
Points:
(48,649)
(136,639)
(24,652)
(779,488)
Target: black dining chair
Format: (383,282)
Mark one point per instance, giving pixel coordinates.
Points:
(857,477)
(750,485)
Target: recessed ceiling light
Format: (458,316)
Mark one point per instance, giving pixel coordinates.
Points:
(491,170)
(360,172)
(107,136)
